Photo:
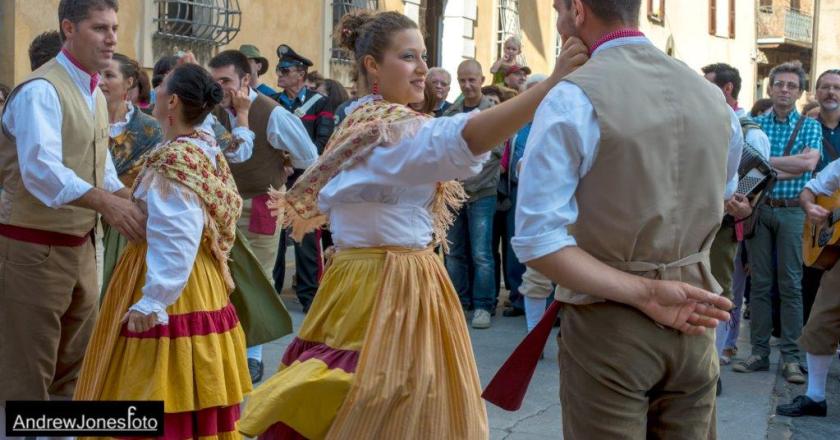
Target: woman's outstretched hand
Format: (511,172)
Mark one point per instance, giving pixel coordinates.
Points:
(573,54)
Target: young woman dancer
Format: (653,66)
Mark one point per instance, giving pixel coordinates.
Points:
(384,352)
(167,330)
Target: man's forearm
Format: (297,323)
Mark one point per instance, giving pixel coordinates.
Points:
(94,199)
(577,270)
(796,164)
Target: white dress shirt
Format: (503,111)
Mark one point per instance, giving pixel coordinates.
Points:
(561,149)
(243,135)
(173,234)
(827,181)
(286,132)
(384,200)
(34,118)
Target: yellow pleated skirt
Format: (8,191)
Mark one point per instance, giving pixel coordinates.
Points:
(195,364)
(384,353)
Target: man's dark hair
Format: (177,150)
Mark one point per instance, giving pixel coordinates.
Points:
(827,72)
(44,48)
(725,74)
(78,10)
(233,58)
(794,67)
(625,11)
(162,67)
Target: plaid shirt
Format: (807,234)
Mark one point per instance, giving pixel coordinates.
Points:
(810,135)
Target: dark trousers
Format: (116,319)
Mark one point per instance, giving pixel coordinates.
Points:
(508,266)
(811,278)
(308,266)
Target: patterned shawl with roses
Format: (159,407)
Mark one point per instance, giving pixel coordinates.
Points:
(374,123)
(181,162)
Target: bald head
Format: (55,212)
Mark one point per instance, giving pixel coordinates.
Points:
(470,80)
(470,66)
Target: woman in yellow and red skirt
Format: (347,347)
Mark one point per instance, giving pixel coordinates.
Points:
(384,352)
(167,330)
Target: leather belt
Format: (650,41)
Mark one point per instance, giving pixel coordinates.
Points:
(38,236)
(782,203)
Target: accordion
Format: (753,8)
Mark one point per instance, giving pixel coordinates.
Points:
(755,174)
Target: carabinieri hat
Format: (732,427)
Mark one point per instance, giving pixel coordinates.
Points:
(290,58)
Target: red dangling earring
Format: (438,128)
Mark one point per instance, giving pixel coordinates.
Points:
(375,89)
(170,120)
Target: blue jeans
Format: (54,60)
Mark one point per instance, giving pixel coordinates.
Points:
(470,254)
(508,266)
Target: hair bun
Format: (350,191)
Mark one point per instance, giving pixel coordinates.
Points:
(213,93)
(349,28)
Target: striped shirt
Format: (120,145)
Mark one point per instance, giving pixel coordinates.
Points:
(810,135)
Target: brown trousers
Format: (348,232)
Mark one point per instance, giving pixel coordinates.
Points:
(822,332)
(622,376)
(48,307)
(722,259)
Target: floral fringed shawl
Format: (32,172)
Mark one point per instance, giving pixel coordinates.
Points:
(181,162)
(374,123)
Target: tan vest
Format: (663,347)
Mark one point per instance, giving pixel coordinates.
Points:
(266,166)
(653,200)
(84,144)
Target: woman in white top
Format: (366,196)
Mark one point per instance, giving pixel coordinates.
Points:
(384,352)
(133,134)
(167,329)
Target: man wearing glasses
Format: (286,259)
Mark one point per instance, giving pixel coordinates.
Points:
(795,151)
(310,107)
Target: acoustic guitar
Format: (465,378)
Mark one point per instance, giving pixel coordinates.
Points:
(820,247)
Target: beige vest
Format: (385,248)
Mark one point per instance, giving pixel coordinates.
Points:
(266,166)
(653,200)
(84,144)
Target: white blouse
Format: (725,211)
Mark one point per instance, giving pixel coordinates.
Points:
(384,200)
(118,128)
(173,233)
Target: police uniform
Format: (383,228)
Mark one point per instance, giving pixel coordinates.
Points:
(310,107)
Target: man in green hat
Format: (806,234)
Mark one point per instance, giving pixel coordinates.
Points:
(259,65)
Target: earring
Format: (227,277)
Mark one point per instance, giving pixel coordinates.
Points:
(170,120)
(375,88)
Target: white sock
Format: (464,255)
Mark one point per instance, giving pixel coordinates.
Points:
(818,365)
(534,310)
(255,352)
(721,332)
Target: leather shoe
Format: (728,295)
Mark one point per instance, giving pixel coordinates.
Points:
(513,311)
(802,406)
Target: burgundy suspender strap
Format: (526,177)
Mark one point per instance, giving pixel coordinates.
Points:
(508,387)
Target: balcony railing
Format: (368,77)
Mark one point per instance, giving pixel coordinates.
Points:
(781,25)
(798,26)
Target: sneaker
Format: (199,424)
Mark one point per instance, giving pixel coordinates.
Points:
(802,406)
(255,368)
(481,319)
(753,363)
(727,354)
(793,373)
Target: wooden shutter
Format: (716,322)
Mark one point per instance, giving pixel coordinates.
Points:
(731,18)
(712,17)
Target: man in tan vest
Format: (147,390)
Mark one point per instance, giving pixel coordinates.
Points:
(278,134)
(56,173)
(619,201)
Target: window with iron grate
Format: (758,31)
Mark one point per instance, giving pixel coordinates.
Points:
(341,7)
(210,22)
